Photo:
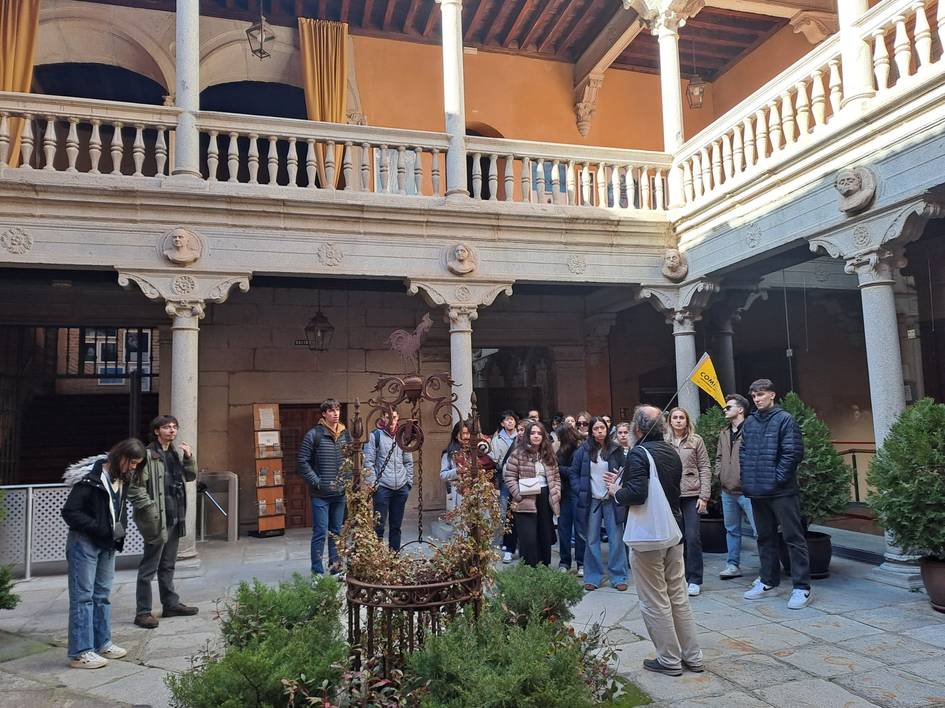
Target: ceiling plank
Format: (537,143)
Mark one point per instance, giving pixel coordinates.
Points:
(509,41)
(368,11)
(498,22)
(547,44)
(774,8)
(431,21)
(540,22)
(622,28)
(389,15)
(409,27)
(477,19)
(323,9)
(345,10)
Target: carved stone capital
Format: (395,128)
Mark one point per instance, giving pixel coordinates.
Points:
(585,101)
(681,302)
(184,293)
(877,267)
(460,317)
(890,229)
(733,303)
(470,293)
(815,25)
(665,16)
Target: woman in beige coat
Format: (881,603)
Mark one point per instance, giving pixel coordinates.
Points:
(695,488)
(533,458)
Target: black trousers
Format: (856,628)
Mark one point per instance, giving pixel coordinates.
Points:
(692,539)
(536,532)
(769,512)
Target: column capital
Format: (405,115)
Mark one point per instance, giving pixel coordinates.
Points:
(876,267)
(460,317)
(733,302)
(683,304)
(185,293)
(585,101)
(455,293)
(596,330)
(665,17)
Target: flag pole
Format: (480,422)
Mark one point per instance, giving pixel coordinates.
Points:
(676,395)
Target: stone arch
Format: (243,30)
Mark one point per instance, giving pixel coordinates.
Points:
(93,34)
(483,129)
(226,59)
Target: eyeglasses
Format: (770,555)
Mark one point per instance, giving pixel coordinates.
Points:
(583,423)
(727,408)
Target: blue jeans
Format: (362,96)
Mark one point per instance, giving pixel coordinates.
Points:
(390,503)
(732,507)
(328,513)
(567,530)
(91,571)
(604,510)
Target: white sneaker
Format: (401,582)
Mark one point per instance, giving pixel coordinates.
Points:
(800,598)
(580,571)
(694,589)
(759,591)
(730,571)
(112,651)
(507,557)
(88,660)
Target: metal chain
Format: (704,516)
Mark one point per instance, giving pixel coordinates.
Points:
(418,469)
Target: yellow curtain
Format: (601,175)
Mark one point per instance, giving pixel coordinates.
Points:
(324,51)
(19,20)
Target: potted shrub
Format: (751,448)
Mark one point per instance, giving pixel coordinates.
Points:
(908,479)
(711,524)
(824,480)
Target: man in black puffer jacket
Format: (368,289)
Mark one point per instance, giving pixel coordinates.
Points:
(772,448)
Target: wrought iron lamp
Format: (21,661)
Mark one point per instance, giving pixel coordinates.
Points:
(319,331)
(695,91)
(260,36)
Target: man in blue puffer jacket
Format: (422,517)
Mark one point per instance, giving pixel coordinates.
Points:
(772,448)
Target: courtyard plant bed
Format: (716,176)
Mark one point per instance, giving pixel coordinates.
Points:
(824,480)
(908,478)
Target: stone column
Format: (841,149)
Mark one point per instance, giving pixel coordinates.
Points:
(684,337)
(461,356)
(187,93)
(726,355)
(597,344)
(454,99)
(857,62)
(570,377)
(734,302)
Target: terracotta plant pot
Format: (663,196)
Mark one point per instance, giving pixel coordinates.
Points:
(820,550)
(712,531)
(933,577)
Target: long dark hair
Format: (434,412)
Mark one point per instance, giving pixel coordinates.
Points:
(592,447)
(568,442)
(454,444)
(130,449)
(546,452)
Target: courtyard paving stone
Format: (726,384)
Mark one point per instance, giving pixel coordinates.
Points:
(859,643)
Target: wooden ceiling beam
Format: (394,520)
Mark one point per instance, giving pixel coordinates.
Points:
(509,41)
(368,11)
(431,21)
(476,22)
(547,44)
(389,15)
(622,28)
(774,8)
(538,25)
(408,27)
(498,22)
(345,10)
(323,10)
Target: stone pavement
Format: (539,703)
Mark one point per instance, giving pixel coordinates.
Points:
(858,644)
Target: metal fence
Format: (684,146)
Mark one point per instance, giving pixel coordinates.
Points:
(33,532)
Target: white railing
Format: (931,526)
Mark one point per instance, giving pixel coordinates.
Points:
(573,175)
(80,135)
(800,105)
(32,529)
(325,156)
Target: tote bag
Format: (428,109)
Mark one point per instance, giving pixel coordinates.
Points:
(652,526)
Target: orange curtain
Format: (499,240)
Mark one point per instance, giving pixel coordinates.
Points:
(324,52)
(19,20)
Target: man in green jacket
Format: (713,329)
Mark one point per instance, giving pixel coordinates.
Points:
(159,501)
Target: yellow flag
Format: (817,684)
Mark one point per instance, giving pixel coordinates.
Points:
(704,377)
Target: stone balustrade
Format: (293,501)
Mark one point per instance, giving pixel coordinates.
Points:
(568,175)
(805,103)
(62,134)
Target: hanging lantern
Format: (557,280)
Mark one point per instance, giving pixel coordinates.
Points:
(319,332)
(260,36)
(695,92)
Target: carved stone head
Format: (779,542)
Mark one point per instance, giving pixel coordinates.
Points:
(461,259)
(675,267)
(857,187)
(182,246)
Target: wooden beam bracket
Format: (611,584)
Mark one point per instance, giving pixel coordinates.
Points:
(585,102)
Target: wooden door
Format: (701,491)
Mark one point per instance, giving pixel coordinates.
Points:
(296,420)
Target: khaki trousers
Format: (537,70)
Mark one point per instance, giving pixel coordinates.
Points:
(660,580)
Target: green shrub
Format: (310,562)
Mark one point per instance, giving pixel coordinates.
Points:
(8,599)
(709,426)
(528,592)
(908,475)
(290,632)
(823,477)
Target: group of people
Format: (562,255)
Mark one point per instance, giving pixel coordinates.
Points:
(152,479)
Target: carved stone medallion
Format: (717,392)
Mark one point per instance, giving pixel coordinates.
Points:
(577,264)
(463,294)
(182,246)
(330,254)
(16,241)
(753,236)
(675,267)
(862,236)
(461,259)
(857,187)
(184,285)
